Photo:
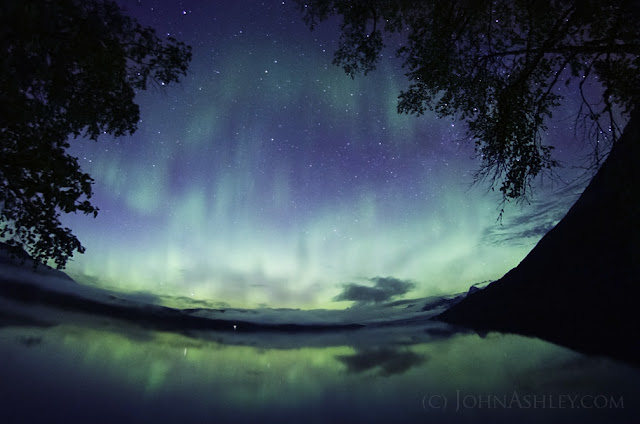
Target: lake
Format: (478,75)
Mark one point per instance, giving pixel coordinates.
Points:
(90,369)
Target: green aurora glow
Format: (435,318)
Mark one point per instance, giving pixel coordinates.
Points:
(269,177)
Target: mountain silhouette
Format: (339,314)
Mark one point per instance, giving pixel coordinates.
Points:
(579,286)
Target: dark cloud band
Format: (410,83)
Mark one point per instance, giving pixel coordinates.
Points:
(384,289)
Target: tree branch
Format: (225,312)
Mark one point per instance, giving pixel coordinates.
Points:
(631,49)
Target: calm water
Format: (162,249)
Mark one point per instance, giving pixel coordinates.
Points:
(102,371)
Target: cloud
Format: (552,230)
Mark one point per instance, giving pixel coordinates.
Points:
(383,290)
(532,223)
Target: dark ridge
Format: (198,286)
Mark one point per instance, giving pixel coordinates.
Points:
(17,257)
(193,310)
(441,302)
(580,286)
(150,316)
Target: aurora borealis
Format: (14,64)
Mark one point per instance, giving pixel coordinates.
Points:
(269,177)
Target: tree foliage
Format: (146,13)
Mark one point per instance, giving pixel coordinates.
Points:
(68,69)
(500,65)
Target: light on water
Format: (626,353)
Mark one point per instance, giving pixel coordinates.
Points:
(421,373)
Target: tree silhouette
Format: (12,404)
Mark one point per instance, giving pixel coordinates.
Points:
(68,69)
(499,65)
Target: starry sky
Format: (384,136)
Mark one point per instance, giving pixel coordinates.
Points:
(268,177)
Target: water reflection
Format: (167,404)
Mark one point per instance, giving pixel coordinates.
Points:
(108,372)
(388,360)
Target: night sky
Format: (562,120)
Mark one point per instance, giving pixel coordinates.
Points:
(269,177)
